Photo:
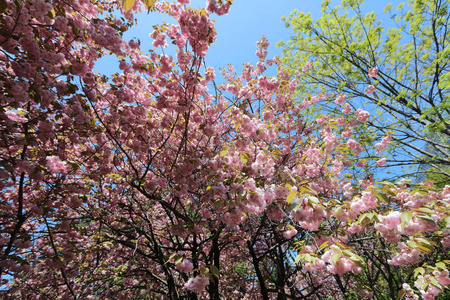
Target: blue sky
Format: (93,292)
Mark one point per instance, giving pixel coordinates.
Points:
(238,32)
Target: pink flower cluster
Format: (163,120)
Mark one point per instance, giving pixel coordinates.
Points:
(317,265)
(354,145)
(197,284)
(15,117)
(366,202)
(431,291)
(342,265)
(212,7)
(381,161)
(409,292)
(55,165)
(346,109)
(340,99)
(362,115)
(370,89)
(309,216)
(307,66)
(198,30)
(383,144)
(406,256)
(288,234)
(366,294)
(387,226)
(185,266)
(159,39)
(373,72)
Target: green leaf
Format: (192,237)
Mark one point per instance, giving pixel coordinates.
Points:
(406,216)
(435,283)
(178,259)
(336,255)
(424,247)
(223,153)
(127,4)
(426,218)
(215,271)
(441,265)
(291,196)
(323,246)
(172,256)
(382,197)
(150,3)
(418,271)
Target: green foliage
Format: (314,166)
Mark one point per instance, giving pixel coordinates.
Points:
(440,180)
(411,99)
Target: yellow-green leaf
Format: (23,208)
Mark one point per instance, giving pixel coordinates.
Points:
(127,4)
(51,14)
(223,152)
(382,197)
(335,256)
(172,256)
(418,271)
(406,216)
(215,271)
(426,218)
(323,246)
(441,265)
(289,187)
(434,282)
(150,3)
(313,199)
(178,259)
(424,247)
(291,196)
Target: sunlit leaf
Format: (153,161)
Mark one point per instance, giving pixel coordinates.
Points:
(291,196)
(150,3)
(127,4)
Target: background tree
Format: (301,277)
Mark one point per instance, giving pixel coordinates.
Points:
(399,68)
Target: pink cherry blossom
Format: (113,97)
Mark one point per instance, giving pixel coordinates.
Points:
(185,266)
(381,161)
(362,115)
(55,165)
(307,66)
(373,72)
(340,99)
(197,284)
(346,109)
(370,89)
(288,234)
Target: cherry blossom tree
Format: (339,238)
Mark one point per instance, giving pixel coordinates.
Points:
(160,183)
